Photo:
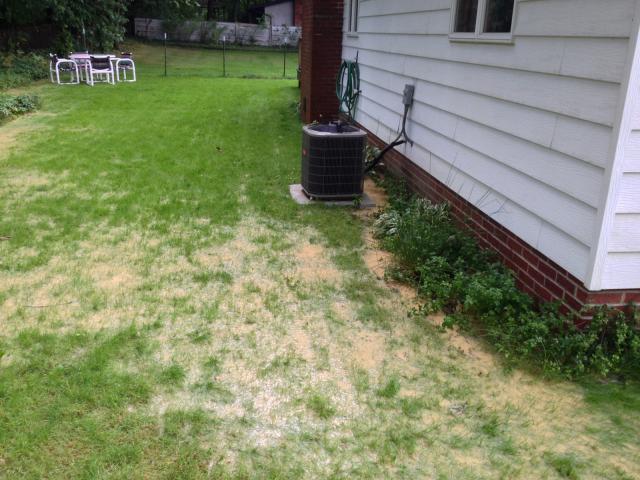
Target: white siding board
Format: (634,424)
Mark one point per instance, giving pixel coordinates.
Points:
(575,18)
(581,139)
(583,99)
(629,194)
(632,153)
(385,7)
(587,141)
(621,270)
(374,125)
(564,250)
(574,177)
(557,208)
(625,234)
(530,228)
(419,23)
(567,174)
(582,57)
(599,59)
(525,122)
(635,120)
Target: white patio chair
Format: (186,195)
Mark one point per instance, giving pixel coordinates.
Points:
(100,69)
(125,64)
(83,64)
(64,65)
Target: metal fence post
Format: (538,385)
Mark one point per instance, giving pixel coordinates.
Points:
(165,54)
(224,56)
(284,57)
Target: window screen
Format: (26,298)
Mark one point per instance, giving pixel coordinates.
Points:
(466,16)
(499,16)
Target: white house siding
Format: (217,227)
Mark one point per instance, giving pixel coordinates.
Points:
(622,263)
(531,122)
(281,13)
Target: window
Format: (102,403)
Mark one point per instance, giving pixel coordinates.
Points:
(489,20)
(352,25)
(466,13)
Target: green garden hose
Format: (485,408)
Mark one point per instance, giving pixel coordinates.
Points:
(348,87)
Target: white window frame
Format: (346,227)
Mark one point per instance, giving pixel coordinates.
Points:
(478,35)
(353,14)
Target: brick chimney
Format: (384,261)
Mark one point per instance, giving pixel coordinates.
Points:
(320,58)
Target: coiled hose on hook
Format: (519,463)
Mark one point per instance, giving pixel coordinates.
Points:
(348,87)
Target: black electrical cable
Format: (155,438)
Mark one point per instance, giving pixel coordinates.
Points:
(397,142)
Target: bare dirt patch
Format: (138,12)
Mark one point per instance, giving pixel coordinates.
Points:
(369,349)
(377,194)
(302,343)
(114,277)
(312,264)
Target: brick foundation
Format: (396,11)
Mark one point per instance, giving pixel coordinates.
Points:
(320,59)
(535,273)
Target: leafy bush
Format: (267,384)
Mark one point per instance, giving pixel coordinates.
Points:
(453,274)
(20,69)
(11,105)
(103,22)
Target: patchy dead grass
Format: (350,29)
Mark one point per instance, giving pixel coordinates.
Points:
(272,347)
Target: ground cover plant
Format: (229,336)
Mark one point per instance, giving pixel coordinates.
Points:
(453,274)
(17,69)
(12,105)
(166,311)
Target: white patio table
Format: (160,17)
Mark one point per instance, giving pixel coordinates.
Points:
(82,59)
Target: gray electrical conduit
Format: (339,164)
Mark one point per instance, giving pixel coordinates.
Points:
(403,137)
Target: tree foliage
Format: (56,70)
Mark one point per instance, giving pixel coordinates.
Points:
(76,23)
(100,25)
(171,11)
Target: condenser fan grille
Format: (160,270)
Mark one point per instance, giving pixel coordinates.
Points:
(333,161)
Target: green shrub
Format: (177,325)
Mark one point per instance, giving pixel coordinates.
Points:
(20,69)
(11,105)
(453,274)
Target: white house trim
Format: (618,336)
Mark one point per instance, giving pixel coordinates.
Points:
(629,95)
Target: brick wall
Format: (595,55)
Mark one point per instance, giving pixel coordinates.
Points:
(297,12)
(535,273)
(320,58)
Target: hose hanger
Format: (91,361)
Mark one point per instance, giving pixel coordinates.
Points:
(348,87)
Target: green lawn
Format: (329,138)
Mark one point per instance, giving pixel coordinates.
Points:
(166,311)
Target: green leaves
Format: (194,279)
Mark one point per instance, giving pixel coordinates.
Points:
(11,105)
(102,21)
(454,275)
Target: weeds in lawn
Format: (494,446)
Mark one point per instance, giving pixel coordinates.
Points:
(565,465)
(390,389)
(321,406)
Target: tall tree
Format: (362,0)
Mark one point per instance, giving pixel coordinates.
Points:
(99,24)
